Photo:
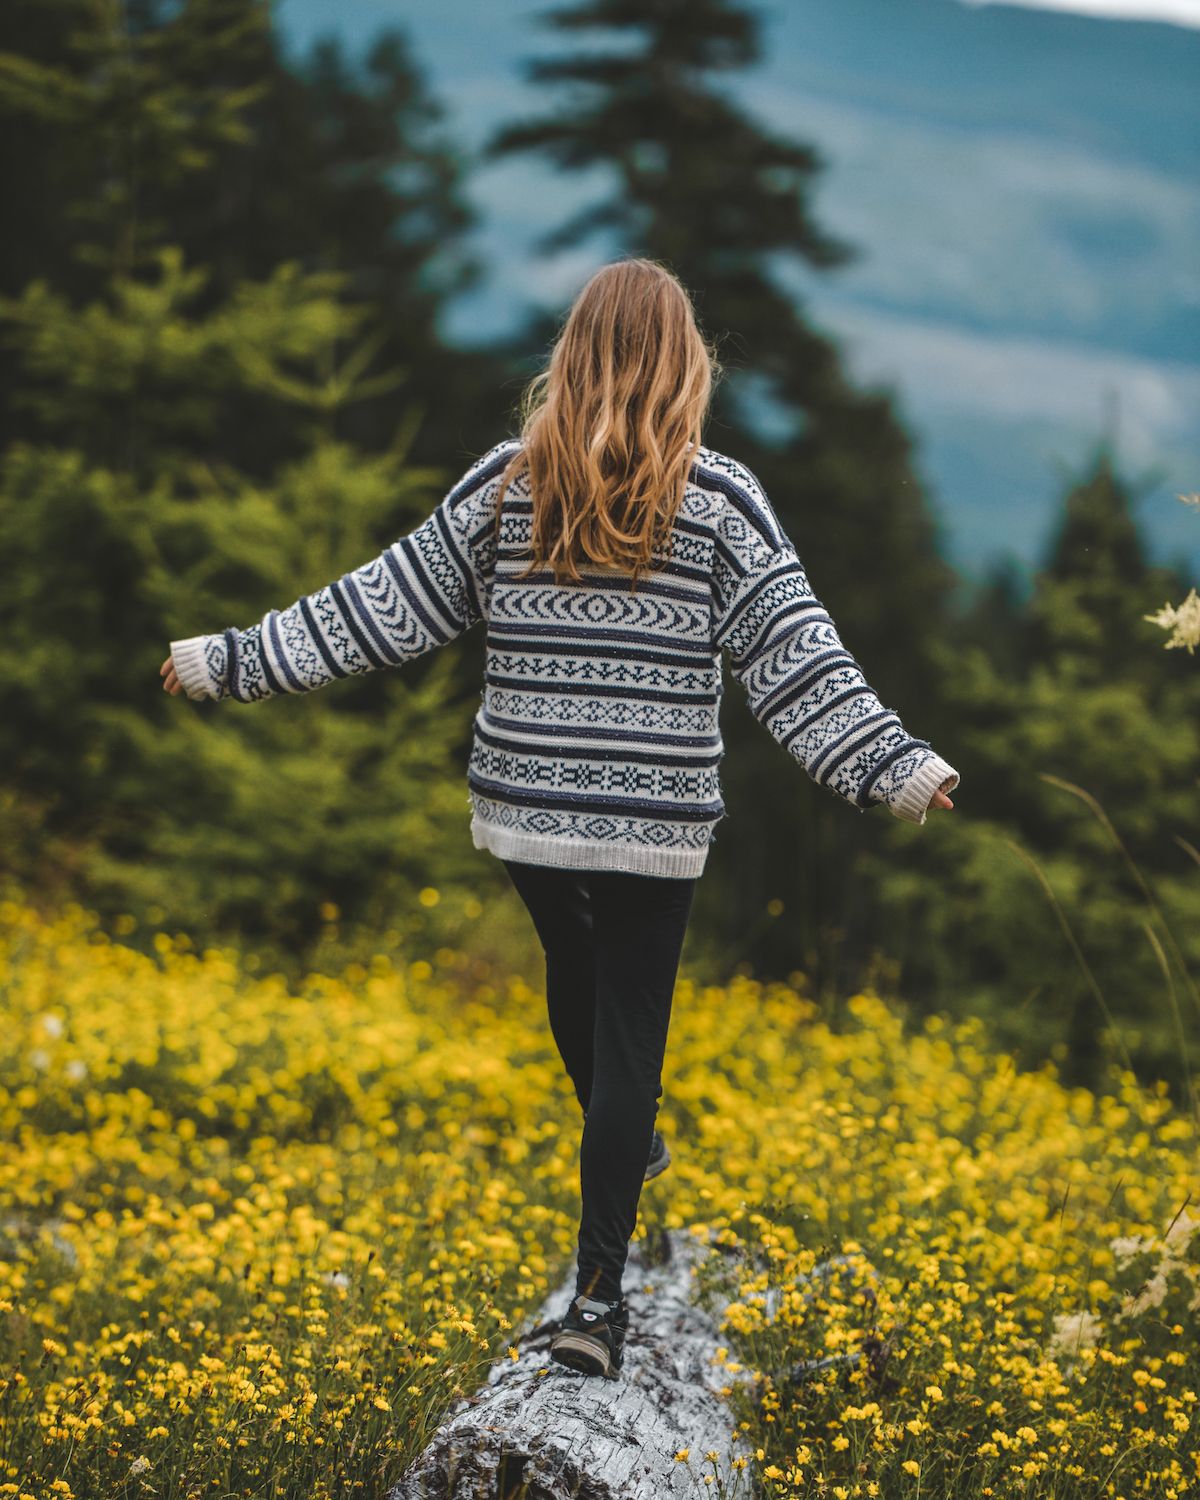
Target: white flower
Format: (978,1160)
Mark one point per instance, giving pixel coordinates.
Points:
(52,1025)
(1127,1247)
(1183,620)
(76,1070)
(1151,1295)
(1181,1232)
(1074,1331)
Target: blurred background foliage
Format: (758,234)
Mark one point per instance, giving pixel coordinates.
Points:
(223,385)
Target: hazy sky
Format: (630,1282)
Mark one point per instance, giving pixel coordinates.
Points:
(1180,12)
(1019,183)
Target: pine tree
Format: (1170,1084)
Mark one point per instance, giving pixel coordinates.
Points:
(147,122)
(174,460)
(703,186)
(1091,704)
(1088,594)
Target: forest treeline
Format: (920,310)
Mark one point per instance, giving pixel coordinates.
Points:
(222,384)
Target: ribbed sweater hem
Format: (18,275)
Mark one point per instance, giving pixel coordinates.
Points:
(190,666)
(583,854)
(912,803)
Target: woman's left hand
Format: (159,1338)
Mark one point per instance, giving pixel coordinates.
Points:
(171,682)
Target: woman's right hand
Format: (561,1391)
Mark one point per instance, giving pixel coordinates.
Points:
(940,799)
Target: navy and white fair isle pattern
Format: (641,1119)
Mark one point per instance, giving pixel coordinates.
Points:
(597,743)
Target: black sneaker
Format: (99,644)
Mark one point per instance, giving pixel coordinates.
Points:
(592,1337)
(660,1158)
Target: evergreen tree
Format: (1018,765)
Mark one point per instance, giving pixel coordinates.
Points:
(250,817)
(701,185)
(1096,575)
(991,618)
(1085,706)
(175,459)
(151,122)
(346,168)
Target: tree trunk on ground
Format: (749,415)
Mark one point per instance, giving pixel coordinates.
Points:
(540,1431)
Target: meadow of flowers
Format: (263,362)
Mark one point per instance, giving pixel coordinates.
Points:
(253,1240)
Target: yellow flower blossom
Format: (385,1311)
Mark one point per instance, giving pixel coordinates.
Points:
(240,1220)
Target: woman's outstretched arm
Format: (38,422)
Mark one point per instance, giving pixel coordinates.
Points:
(800,680)
(422,591)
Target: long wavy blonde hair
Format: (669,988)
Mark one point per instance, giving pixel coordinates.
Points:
(611,427)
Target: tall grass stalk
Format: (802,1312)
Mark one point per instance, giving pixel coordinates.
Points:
(1152,939)
(1143,885)
(1186,847)
(1078,951)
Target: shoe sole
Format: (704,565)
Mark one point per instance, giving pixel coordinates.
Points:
(579,1352)
(659,1166)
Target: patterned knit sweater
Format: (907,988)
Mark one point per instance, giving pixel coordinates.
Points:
(597,742)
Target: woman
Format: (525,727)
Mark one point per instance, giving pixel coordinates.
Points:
(612,557)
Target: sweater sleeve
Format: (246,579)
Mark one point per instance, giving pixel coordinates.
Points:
(422,591)
(801,682)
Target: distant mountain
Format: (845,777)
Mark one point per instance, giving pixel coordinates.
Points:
(1022,188)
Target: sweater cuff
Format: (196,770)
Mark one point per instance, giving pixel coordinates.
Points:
(912,801)
(191,667)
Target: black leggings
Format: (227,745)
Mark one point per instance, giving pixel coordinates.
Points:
(612,942)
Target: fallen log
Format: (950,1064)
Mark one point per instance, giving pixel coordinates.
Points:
(540,1431)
